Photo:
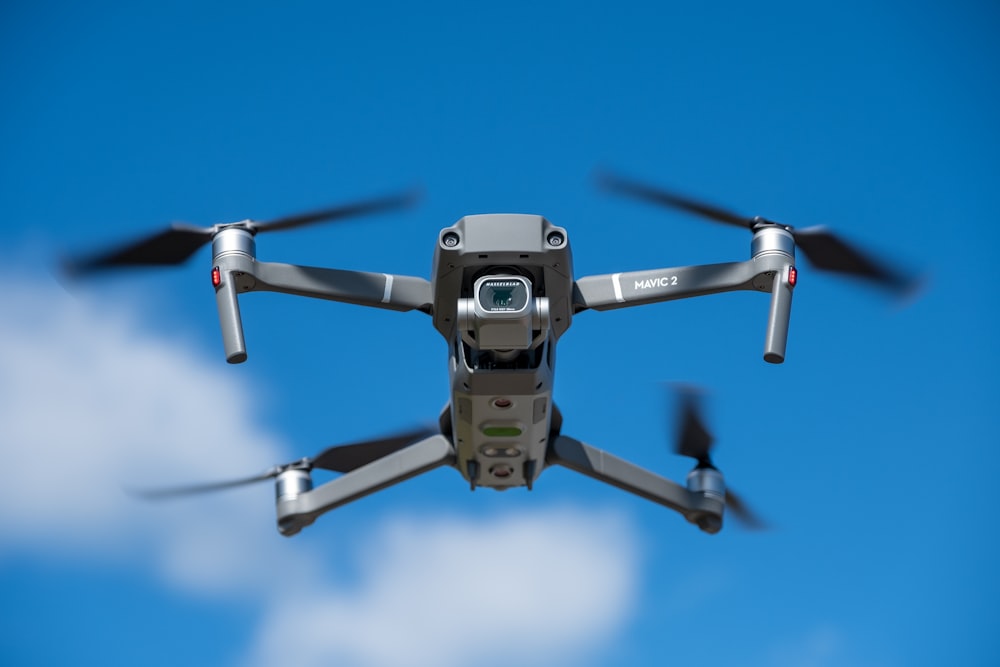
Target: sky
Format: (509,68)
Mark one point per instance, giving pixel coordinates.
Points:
(871,452)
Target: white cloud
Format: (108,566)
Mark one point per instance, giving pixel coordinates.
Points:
(89,404)
(541,588)
(89,401)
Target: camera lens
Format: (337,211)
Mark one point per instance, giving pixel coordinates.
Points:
(504,294)
(501,297)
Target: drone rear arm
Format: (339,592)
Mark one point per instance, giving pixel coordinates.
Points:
(298,510)
(698,507)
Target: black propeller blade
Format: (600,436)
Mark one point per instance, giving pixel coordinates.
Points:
(695,441)
(195,489)
(821,247)
(179,242)
(340,458)
(693,437)
(742,512)
(654,195)
(827,251)
(345,458)
(343,212)
(169,247)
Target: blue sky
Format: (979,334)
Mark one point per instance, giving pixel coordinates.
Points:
(871,451)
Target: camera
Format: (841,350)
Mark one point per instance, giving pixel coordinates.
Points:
(502,294)
(503,315)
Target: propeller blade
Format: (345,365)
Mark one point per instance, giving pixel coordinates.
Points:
(342,458)
(659,196)
(821,247)
(196,489)
(179,242)
(827,251)
(345,458)
(342,212)
(693,437)
(694,440)
(742,512)
(171,246)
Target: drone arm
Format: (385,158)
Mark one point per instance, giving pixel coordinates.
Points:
(637,288)
(229,319)
(697,507)
(297,512)
(238,272)
(769,272)
(378,290)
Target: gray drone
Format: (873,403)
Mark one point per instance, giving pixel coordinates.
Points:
(502,293)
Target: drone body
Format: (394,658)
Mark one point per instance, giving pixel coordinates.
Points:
(502,293)
(503,296)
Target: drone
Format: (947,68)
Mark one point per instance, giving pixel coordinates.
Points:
(502,294)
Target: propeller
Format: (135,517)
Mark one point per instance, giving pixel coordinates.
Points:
(695,440)
(824,249)
(180,241)
(339,458)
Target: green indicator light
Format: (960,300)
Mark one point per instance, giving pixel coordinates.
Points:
(501,431)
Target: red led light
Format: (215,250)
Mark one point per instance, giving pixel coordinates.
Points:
(216,277)
(793,276)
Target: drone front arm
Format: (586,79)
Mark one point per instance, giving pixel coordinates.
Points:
(770,272)
(235,270)
(700,508)
(637,288)
(377,290)
(298,510)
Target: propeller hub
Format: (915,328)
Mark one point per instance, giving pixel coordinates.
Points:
(772,239)
(707,481)
(234,239)
(292,483)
